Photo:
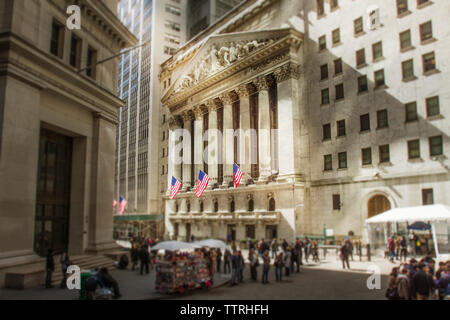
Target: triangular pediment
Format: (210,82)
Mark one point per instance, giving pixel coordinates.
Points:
(218,53)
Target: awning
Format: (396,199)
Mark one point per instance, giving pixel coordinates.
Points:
(139,217)
(435,212)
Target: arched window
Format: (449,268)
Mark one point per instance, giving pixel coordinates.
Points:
(377,204)
(188,206)
(176,207)
(232,206)
(272,204)
(201,206)
(250,205)
(216,206)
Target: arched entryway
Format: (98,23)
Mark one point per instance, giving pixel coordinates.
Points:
(377,204)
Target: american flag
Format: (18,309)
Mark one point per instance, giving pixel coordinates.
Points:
(114,204)
(176,185)
(122,206)
(202,183)
(237,176)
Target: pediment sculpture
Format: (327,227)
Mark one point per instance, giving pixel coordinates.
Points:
(219,57)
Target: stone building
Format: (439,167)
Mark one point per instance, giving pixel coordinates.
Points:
(57,127)
(355,91)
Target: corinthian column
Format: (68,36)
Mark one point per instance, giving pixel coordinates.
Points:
(227,139)
(187,156)
(265,170)
(174,161)
(212,143)
(243,134)
(198,141)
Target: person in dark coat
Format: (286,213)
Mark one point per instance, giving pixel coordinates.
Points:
(344,255)
(241,267)
(218,259)
(65,263)
(227,261)
(49,268)
(235,266)
(134,256)
(144,256)
(109,282)
(422,283)
(266,267)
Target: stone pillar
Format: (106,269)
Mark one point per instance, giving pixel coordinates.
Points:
(227,140)
(289,118)
(198,141)
(174,165)
(212,143)
(265,170)
(244,133)
(187,159)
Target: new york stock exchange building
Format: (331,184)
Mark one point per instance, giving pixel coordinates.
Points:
(252,90)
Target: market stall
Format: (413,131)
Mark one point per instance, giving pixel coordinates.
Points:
(431,222)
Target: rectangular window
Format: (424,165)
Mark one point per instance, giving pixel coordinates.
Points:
(325,96)
(405,39)
(362,84)
(379,78)
(340,128)
(384,153)
(326,128)
(432,106)
(323,71)
(336,36)
(358,25)
(57,39)
(250,231)
(327,162)
(360,58)
(172,9)
(366,155)
(91,63)
(334,4)
(172,25)
(365,122)
(382,119)
(436,147)
(377,50)
(336,202)
(342,157)
(322,43)
(429,62)
(402,6)
(408,69)
(75,52)
(320,8)
(169,51)
(427,197)
(411,112)
(426,31)
(413,149)
(337,66)
(339,91)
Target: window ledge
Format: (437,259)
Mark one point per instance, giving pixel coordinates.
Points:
(338,74)
(339,100)
(363,65)
(381,87)
(431,72)
(364,131)
(385,164)
(404,14)
(412,121)
(415,160)
(324,79)
(322,50)
(379,59)
(428,41)
(367,166)
(435,117)
(409,79)
(327,171)
(424,5)
(335,9)
(438,157)
(342,169)
(321,16)
(359,34)
(407,49)
(324,104)
(325,140)
(337,44)
(387,127)
(361,93)
(341,137)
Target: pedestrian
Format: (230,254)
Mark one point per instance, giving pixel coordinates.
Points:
(392,290)
(350,249)
(403,286)
(65,263)
(134,256)
(266,267)
(307,249)
(299,246)
(403,249)
(443,282)
(218,259)
(279,265)
(413,240)
(228,238)
(192,238)
(315,251)
(295,258)
(274,248)
(391,248)
(254,263)
(422,284)
(344,254)
(50,268)
(250,244)
(144,257)
(235,268)
(287,261)
(241,267)
(227,261)
(284,245)
(397,247)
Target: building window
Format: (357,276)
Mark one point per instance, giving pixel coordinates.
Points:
(272,204)
(402,6)
(358,26)
(216,206)
(408,69)
(360,58)
(172,25)
(337,66)
(336,202)
(75,52)
(327,162)
(172,9)
(411,112)
(362,84)
(426,31)
(172,39)
(325,96)
(334,4)
(169,51)
(188,206)
(342,158)
(322,43)
(250,231)
(427,197)
(323,71)
(232,206)
(91,63)
(336,36)
(320,8)
(413,149)
(384,153)
(436,147)
(382,119)
(379,78)
(57,39)
(251,205)
(339,90)
(340,128)
(326,131)
(421,2)
(429,63)
(377,50)
(405,40)
(432,106)
(365,122)
(366,155)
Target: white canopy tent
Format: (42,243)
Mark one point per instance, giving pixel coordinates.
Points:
(438,215)
(212,243)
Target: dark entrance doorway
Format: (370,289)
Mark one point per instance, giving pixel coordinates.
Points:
(271,232)
(188,232)
(53,193)
(232,231)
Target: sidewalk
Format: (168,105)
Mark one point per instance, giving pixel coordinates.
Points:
(132,285)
